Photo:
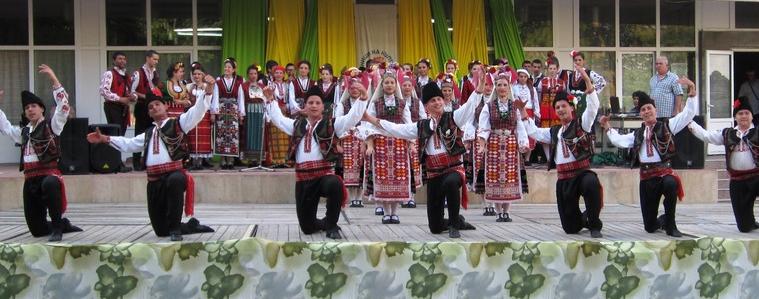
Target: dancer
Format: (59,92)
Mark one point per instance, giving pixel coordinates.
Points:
(200,137)
(228,109)
(353,155)
(164,146)
(417,112)
(44,190)
(313,146)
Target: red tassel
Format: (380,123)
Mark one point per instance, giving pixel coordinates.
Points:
(189,195)
(464,193)
(602,196)
(64,200)
(680,190)
(345,192)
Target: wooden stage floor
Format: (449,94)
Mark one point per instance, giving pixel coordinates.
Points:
(117,223)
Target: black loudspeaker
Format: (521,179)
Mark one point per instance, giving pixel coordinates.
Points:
(104,158)
(690,150)
(75,152)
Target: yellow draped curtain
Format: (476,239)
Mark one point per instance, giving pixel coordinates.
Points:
(285,28)
(469,32)
(415,39)
(337,33)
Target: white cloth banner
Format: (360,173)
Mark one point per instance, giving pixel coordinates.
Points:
(376,33)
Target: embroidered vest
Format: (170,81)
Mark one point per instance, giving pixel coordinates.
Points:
(121,83)
(300,91)
(253,87)
(664,142)
(328,98)
(44,142)
(391,114)
(414,108)
(732,140)
(575,84)
(497,122)
(477,111)
(143,86)
(449,134)
(579,142)
(325,137)
(172,136)
(231,91)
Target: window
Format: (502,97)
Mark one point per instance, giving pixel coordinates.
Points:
(53,22)
(597,18)
(126,23)
(682,63)
(637,23)
(62,62)
(14,23)
(135,60)
(211,61)
(637,69)
(209,22)
(677,21)
(535,18)
(15,64)
(745,14)
(603,63)
(167,59)
(171,22)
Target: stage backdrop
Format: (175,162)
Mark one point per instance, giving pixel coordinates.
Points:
(376,33)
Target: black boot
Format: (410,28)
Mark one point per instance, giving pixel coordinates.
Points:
(56,235)
(175,236)
(670,226)
(506,217)
(453,232)
(334,233)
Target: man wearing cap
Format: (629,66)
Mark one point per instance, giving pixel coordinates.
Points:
(653,144)
(441,138)
(44,191)
(571,147)
(164,146)
(314,146)
(742,158)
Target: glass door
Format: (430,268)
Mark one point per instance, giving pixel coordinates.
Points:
(637,69)
(719,93)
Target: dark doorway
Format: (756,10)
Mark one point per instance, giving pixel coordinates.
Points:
(744,61)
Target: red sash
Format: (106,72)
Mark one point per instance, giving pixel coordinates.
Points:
(572,169)
(648,171)
(740,175)
(37,169)
(155,173)
(441,164)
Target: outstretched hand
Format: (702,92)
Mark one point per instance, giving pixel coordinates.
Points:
(46,70)
(604,121)
(97,137)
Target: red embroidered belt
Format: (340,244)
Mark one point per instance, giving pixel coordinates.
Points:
(740,175)
(440,164)
(652,170)
(312,170)
(572,169)
(155,172)
(37,169)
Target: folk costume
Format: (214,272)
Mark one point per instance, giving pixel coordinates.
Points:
(353,153)
(527,94)
(474,164)
(571,147)
(299,87)
(442,154)
(115,84)
(253,138)
(417,111)
(654,147)
(501,128)
(200,137)
(174,92)
(742,161)
(44,190)
(228,110)
(330,92)
(164,146)
(278,140)
(314,148)
(144,80)
(547,89)
(576,84)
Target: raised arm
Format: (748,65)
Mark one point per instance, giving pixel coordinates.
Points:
(348,121)
(678,122)
(713,136)
(194,115)
(619,140)
(272,109)
(591,110)
(62,108)
(465,113)
(6,128)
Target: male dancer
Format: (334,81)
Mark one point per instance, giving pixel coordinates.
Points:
(115,88)
(571,147)
(314,147)
(144,80)
(653,145)
(44,191)
(164,146)
(742,158)
(441,148)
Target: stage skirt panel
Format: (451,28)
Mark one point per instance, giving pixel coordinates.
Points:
(353,160)
(227,129)
(200,138)
(502,175)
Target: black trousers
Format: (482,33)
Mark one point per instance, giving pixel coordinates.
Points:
(743,194)
(651,191)
(166,203)
(42,196)
(116,114)
(568,192)
(141,123)
(307,195)
(446,186)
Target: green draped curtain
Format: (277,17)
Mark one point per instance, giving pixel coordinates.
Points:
(506,32)
(309,47)
(442,39)
(244,25)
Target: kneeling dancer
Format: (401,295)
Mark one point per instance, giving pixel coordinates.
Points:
(314,147)
(440,148)
(44,191)
(164,145)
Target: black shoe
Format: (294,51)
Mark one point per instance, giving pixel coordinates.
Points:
(334,233)
(674,232)
(379,211)
(500,218)
(394,219)
(486,212)
(356,204)
(661,221)
(411,204)
(584,220)
(506,217)
(68,227)
(319,224)
(463,225)
(596,233)
(386,220)
(205,163)
(453,233)
(56,235)
(175,237)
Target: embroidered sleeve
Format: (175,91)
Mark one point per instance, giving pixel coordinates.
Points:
(105,87)
(344,123)
(484,122)
(280,121)
(599,82)
(678,122)
(292,103)
(589,116)
(7,129)
(403,131)
(62,109)
(713,137)
(215,99)
(465,113)
(619,140)
(241,100)
(540,134)
(194,115)
(127,144)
